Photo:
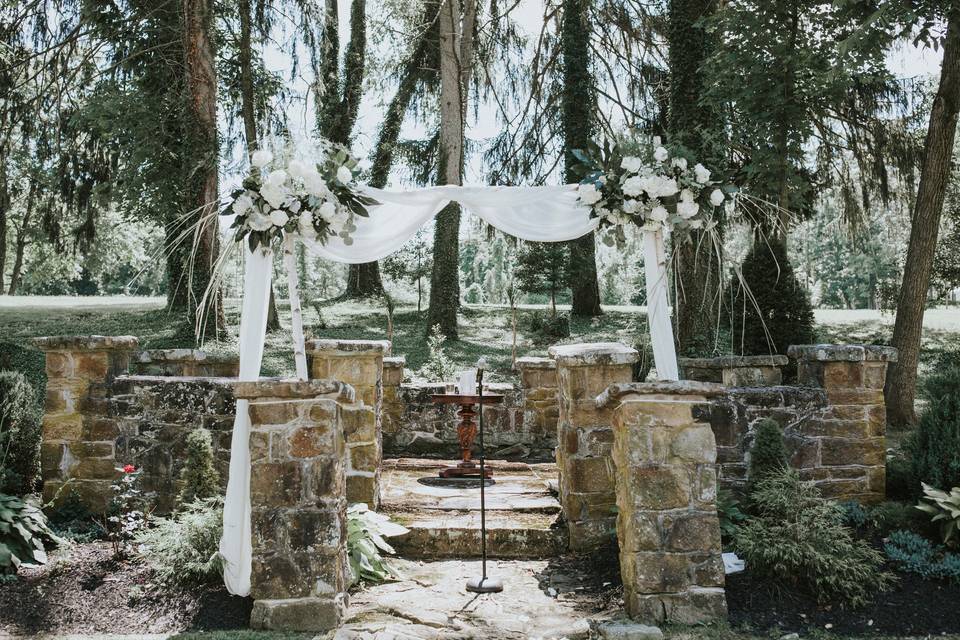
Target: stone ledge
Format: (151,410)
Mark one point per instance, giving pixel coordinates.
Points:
(533,362)
(151,356)
(733,362)
(347,347)
(294,389)
(150,379)
(86,343)
(594,354)
(842,353)
(394,362)
(615,392)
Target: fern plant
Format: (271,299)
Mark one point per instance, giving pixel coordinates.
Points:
(945,509)
(366,533)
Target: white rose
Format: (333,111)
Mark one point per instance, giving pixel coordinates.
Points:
(261,158)
(279,217)
(588,194)
(630,205)
(635,185)
(657,141)
(306,225)
(297,169)
(314,184)
(276,178)
(658,214)
(258,222)
(680,163)
(328,210)
(660,154)
(632,164)
(686,209)
(717,197)
(273,194)
(242,204)
(702,173)
(344,175)
(660,187)
(686,195)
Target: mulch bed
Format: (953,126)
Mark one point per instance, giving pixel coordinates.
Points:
(83,590)
(912,607)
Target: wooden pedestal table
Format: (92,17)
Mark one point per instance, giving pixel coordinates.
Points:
(466,432)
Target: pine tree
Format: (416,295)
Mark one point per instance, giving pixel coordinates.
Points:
(544,267)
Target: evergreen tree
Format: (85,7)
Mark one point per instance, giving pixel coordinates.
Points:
(199,475)
(544,267)
(769,308)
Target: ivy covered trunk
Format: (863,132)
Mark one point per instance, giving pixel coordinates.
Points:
(202,158)
(363,280)
(938,152)
(578,124)
(692,124)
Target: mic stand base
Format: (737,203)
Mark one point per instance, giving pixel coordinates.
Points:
(484,585)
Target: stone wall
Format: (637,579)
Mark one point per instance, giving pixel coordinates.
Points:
(298,502)
(736,371)
(666,483)
(185,362)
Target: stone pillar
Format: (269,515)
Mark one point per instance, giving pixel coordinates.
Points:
(667,524)
(585,437)
(846,451)
(186,363)
(298,503)
(74,446)
(736,371)
(392,406)
(358,363)
(540,401)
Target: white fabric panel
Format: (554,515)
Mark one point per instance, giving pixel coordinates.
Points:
(235,545)
(540,214)
(658,309)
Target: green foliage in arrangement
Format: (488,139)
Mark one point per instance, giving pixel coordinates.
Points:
(769,309)
(24,534)
(366,531)
(799,539)
(944,508)
(199,475)
(768,453)
(438,366)
(19,435)
(916,554)
(183,550)
(934,446)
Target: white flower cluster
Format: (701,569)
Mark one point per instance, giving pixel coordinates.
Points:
(296,198)
(654,191)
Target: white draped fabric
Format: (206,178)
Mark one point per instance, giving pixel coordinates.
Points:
(540,214)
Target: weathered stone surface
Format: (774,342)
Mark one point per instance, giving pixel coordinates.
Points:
(626,630)
(842,353)
(594,354)
(293,389)
(315,615)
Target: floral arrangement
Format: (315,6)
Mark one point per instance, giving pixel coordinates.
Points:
(315,201)
(645,184)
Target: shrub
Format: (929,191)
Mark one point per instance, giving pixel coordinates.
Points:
(366,531)
(24,534)
(72,520)
(916,554)
(901,484)
(799,539)
(879,520)
(548,328)
(438,366)
(184,549)
(944,508)
(769,308)
(200,477)
(728,510)
(768,453)
(19,435)
(934,446)
(643,345)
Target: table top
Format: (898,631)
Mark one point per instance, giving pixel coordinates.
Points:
(457,398)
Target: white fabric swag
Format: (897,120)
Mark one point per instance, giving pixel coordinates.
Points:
(539,214)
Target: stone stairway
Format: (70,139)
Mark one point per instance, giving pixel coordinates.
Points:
(444,515)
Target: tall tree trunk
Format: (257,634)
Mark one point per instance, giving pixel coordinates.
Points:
(901,383)
(445,278)
(4,214)
(248,112)
(578,122)
(689,123)
(15,272)
(202,157)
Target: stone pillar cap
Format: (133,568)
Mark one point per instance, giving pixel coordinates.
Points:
(293,389)
(594,353)
(326,345)
(732,362)
(534,362)
(86,343)
(184,355)
(842,352)
(394,361)
(617,391)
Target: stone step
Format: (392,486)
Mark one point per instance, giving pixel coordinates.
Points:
(456,534)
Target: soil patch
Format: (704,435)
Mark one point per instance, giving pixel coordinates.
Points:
(83,590)
(912,607)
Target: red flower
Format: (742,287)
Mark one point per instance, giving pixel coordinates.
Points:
(129,468)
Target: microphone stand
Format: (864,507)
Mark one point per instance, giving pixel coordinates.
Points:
(484,584)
